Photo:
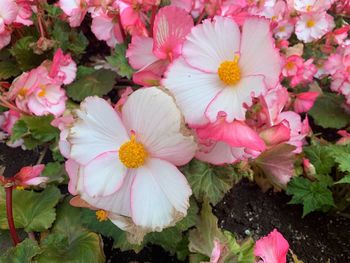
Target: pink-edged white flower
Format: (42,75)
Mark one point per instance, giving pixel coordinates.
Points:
(284,29)
(75,10)
(221,69)
(151,56)
(63,68)
(308,6)
(313,26)
(272,249)
(126,164)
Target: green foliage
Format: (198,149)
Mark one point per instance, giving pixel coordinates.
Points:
(312,195)
(239,252)
(32,211)
(341,155)
(320,157)
(328,112)
(98,82)
(55,172)
(69,241)
(70,40)
(25,55)
(209,181)
(119,61)
(344,180)
(8,65)
(24,252)
(35,130)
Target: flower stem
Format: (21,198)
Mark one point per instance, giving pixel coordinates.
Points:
(15,238)
(153,16)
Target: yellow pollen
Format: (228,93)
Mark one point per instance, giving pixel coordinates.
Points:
(101,215)
(310,23)
(20,188)
(289,65)
(229,72)
(23,91)
(132,153)
(308,8)
(282,29)
(42,91)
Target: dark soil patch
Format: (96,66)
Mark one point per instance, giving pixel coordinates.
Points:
(314,239)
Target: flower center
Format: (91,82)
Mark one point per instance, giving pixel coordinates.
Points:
(229,71)
(42,91)
(101,215)
(132,153)
(310,23)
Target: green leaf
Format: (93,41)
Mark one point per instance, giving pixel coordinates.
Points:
(32,211)
(24,54)
(328,112)
(344,180)
(8,65)
(40,127)
(70,40)
(320,157)
(313,195)
(19,129)
(98,83)
(209,181)
(22,253)
(207,230)
(55,172)
(341,155)
(69,241)
(239,252)
(171,237)
(118,60)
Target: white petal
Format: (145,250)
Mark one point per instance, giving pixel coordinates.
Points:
(231,99)
(211,43)
(156,120)
(258,54)
(98,130)
(118,202)
(192,89)
(104,175)
(160,195)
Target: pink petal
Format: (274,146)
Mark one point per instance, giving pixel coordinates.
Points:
(140,52)
(276,134)
(305,101)
(171,25)
(236,134)
(272,248)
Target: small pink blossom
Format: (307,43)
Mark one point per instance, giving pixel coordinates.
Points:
(9,119)
(272,249)
(75,10)
(300,72)
(64,123)
(63,68)
(305,101)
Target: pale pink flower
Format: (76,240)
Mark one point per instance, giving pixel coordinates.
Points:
(312,26)
(75,10)
(151,56)
(284,29)
(64,124)
(9,119)
(310,6)
(8,13)
(5,38)
(63,68)
(272,249)
(35,92)
(25,12)
(305,101)
(127,165)
(107,27)
(222,69)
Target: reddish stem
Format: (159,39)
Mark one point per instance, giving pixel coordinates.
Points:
(153,16)
(201,16)
(15,238)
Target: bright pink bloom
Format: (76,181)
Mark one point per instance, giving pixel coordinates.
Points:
(301,72)
(272,248)
(305,101)
(63,68)
(27,176)
(152,56)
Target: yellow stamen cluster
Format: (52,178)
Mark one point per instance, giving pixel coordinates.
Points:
(132,153)
(23,91)
(42,92)
(20,188)
(229,72)
(101,215)
(310,23)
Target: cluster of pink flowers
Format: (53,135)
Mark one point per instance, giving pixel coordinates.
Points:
(13,14)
